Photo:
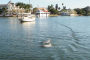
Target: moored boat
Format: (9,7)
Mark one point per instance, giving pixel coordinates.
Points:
(25,17)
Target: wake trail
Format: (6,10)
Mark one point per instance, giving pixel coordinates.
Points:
(73,34)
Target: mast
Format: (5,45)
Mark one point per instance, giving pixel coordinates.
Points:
(29,4)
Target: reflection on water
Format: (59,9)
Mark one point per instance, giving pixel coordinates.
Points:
(22,40)
(28,23)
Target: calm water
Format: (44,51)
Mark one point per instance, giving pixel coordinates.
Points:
(21,41)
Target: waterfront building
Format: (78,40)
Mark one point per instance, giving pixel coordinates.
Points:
(68,12)
(42,12)
(10,9)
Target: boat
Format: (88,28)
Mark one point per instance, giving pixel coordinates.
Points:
(26,17)
(8,15)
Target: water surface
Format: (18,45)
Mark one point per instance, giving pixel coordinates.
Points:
(21,41)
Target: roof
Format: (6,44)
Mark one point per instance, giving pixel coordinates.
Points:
(43,9)
(10,2)
(3,5)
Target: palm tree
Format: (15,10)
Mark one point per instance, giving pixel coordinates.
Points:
(59,8)
(62,4)
(56,6)
(50,7)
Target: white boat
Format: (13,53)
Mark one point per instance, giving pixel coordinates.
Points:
(25,17)
(8,15)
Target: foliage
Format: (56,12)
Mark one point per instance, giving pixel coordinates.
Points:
(56,6)
(62,4)
(50,7)
(52,10)
(25,6)
(83,11)
(0,12)
(79,11)
(59,8)
(34,10)
(4,10)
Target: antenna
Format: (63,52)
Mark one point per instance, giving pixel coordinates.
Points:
(29,4)
(29,1)
(37,6)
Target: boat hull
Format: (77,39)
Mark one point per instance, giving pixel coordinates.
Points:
(25,17)
(26,20)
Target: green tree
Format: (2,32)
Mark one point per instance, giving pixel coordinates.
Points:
(4,10)
(34,10)
(52,10)
(59,8)
(56,6)
(27,7)
(87,9)
(83,11)
(62,4)
(50,7)
(79,11)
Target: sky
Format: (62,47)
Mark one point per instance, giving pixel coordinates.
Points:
(44,3)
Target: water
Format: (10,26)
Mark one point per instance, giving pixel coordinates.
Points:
(21,41)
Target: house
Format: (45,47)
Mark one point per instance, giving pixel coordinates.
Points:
(42,12)
(10,9)
(68,12)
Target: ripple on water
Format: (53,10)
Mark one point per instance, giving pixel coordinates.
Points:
(22,41)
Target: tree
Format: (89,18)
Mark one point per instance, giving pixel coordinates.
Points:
(56,6)
(27,7)
(52,10)
(83,11)
(34,10)
(4,10)
(62,4)
(50,7)
(87,9)
(59,8)
(79,11)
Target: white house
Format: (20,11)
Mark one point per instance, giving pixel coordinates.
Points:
(42,12)
(68,12)
(11,9)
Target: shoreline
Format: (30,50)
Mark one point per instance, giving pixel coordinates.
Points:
(52,15)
